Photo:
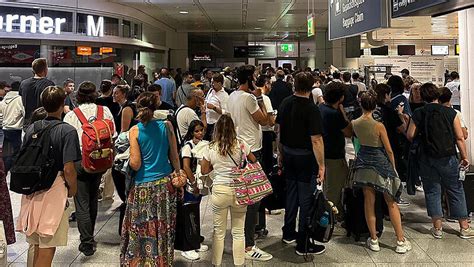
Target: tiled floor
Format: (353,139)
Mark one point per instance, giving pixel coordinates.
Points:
(341,251)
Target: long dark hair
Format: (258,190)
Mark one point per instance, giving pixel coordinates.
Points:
(224,136)
(147,103)
(192,127)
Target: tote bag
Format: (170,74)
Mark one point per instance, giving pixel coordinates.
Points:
(251,184)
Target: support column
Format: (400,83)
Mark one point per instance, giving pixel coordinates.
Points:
(466,70)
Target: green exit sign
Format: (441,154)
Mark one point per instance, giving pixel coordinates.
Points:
(287,48)
(311,26)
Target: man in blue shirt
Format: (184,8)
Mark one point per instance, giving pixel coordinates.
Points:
(168,87)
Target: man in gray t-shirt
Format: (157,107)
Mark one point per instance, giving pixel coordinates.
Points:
(185,89)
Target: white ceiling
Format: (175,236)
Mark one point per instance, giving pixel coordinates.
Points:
(233,15)
(271,17)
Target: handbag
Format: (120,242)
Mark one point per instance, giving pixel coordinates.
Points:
(3,245)
(251,184)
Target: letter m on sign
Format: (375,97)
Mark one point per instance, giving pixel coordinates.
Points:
(95,29)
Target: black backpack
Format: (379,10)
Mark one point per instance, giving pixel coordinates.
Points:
(438,138)
(33,169)
(321,219)
(173,119)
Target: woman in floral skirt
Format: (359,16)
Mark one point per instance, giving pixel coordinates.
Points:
(149,225)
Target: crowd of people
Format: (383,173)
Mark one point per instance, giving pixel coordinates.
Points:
(185,134)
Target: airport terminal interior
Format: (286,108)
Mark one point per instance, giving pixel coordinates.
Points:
(236,133)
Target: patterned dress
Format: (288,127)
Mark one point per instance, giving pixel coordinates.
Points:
(148,229)
(5,206)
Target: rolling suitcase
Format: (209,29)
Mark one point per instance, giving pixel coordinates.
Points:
(277,200)
(469,189)
(354,214)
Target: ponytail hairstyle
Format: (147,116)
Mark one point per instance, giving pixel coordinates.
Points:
(224,136)
(192,126)
(147,103)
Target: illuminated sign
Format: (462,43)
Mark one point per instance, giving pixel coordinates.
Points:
(287,47)
(106,50)
(310,25)
(47,25)
(84,50)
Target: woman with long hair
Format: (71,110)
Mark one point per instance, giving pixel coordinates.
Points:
(375,171)
(150,218)
(224,154)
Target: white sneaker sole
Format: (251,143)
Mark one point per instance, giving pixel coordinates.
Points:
(289,241)
(466,237)
(402,250)
(259,259)
(314,253)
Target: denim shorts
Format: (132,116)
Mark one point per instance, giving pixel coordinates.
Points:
(438,174)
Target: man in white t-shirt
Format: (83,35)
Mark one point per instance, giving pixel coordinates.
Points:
(316,92)
(185,114)
(247,109)
(216,104)
(453,86)
(356,81)
(268,131)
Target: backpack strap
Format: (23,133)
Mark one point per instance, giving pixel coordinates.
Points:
(100,112)
(80,115)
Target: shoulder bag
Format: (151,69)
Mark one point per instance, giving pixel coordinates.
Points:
(251,184)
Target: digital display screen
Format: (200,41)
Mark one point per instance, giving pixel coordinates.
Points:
(439,50)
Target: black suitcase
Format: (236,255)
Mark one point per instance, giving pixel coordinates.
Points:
(469,189)
(276,200)
(354,214)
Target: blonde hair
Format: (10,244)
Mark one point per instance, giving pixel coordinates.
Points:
(224,136)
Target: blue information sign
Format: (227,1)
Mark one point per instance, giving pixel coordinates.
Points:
(406,7)
(352,17)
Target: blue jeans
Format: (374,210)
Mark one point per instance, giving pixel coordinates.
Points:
(438,174)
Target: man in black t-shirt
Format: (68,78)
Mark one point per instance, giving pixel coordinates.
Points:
(31,88)
(106,100)
(301,150)
(438,162)
(350,103)
(280,90)
(336,127)
(156,89)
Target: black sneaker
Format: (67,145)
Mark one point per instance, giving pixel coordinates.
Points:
(72,217)
(87,249)
(261,234)
(311,250)
(289,239)
(403,203)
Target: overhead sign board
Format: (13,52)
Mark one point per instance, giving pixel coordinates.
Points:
(258,51)
(311,27)
(46,25)
(353,17)
(202,58)
(406,7)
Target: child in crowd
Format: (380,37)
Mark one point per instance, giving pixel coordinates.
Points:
(188,230)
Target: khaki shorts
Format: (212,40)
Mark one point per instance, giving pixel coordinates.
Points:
(59,239)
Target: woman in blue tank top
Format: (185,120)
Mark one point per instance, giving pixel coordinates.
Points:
(150,218)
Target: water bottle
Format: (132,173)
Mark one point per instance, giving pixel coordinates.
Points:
(324,220)
(462,173)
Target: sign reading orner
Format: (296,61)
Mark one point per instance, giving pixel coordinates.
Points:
(47,25)
(352,17)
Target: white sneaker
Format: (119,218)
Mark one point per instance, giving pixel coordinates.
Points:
(437,233)
(203,248)
(257,254)
(403,247)
(190,255)
(419,188)
(466,233)
(373,244)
